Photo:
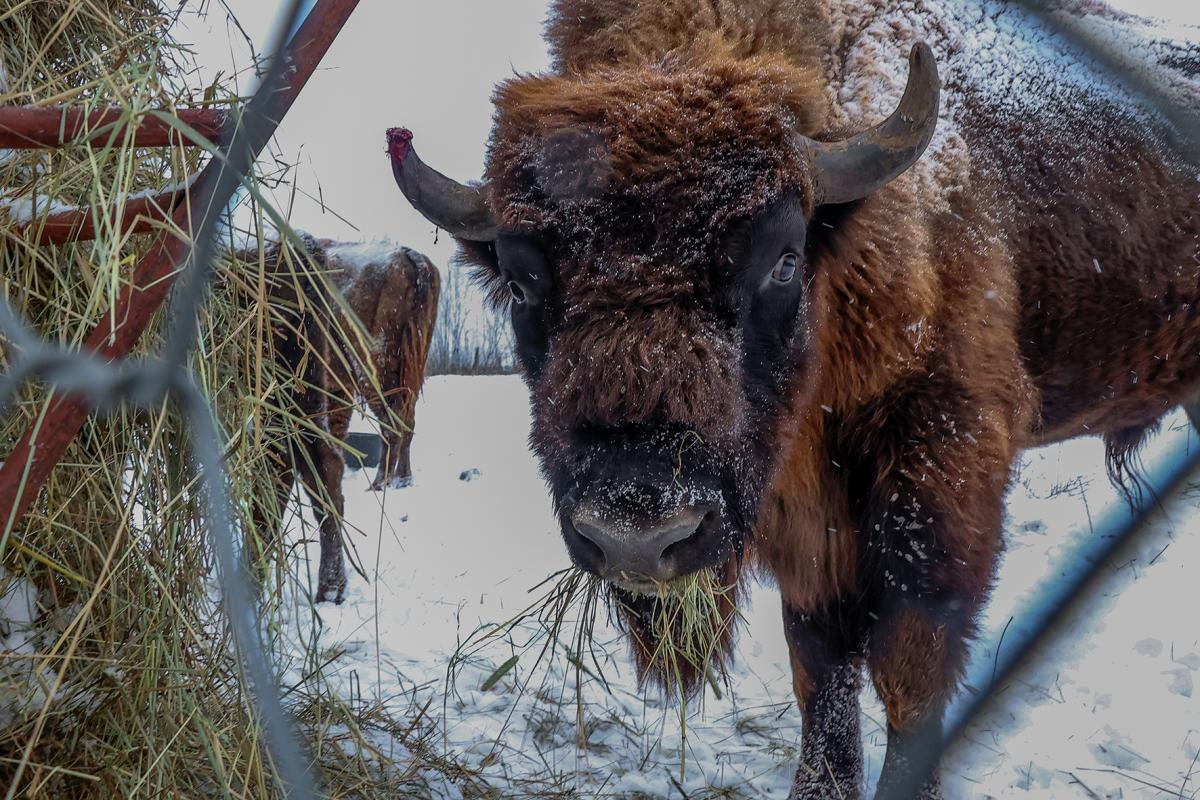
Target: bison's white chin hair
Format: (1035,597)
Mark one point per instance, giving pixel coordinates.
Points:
(681,631)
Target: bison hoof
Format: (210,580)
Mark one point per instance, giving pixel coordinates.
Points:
(395,483)
(331,591)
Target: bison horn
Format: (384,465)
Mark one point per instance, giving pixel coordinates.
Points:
(463,211)
(854,168)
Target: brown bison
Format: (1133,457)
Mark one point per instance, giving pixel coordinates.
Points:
(393,292)
(763,330)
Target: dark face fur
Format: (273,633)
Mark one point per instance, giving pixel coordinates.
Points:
(658,390)
(655,267)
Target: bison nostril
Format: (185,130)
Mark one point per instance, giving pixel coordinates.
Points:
(681,530)
(589,545)
(678,547)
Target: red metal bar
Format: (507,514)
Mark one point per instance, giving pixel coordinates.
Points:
(31,127)
(78,224)
(27,467)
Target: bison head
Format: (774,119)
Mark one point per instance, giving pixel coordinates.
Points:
(648,229)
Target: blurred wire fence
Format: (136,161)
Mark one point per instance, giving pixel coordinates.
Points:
(103,384)
(88,381)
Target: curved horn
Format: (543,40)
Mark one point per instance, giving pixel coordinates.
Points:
(463,211)
(854,168)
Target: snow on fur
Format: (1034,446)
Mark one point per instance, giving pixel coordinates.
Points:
(977,46)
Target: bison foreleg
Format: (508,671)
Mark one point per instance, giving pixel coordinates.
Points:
(395,465)
(268,513)
(928,476)
(321,469)
(395,416)
(924,619)
(917,653)
(827,681)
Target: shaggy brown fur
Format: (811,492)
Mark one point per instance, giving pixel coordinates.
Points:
(395,296)
(1034,278)
(304,316)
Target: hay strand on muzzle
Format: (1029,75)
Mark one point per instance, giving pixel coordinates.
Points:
(681,637)
(682,632)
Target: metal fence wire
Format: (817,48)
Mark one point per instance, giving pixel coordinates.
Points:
(148,382)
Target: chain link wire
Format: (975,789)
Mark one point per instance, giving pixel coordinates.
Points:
(149,382)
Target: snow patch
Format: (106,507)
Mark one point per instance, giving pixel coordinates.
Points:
(446,557)
(21,682)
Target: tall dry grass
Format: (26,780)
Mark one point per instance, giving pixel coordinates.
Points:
(118,677)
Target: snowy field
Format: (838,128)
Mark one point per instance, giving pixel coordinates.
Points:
(1110,712)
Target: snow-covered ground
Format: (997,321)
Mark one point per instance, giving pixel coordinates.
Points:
(1111,711)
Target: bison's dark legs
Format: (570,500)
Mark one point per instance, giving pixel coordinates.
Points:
(930,467)
(321,465)
(395,465)
(827,680)
(399,461)
(321,468)
(902,751)
(268,515)
(339,420)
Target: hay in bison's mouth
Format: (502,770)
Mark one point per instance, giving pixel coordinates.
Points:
(682,630)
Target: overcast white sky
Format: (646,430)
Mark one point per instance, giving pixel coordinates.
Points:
(429,66)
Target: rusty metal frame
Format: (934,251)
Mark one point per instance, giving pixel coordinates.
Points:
(35,127)
(101,376)
(78,224)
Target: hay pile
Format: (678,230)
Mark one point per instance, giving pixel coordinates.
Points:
(117,673)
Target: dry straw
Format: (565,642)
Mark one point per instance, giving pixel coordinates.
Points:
(681,637)
(117,671)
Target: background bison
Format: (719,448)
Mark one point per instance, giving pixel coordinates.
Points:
(708,249)
(392,292)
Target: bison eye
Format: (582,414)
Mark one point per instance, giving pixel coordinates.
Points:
(785,267)
(518,294)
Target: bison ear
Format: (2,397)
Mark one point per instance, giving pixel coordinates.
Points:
(866,162)
(463,211)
